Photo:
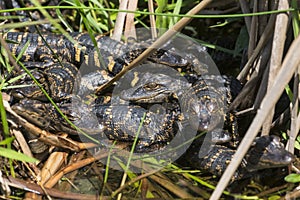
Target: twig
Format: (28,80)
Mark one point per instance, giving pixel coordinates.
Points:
(31,187)
(272,190)
(287,70)
(159,42)
(283,118)
(74,166)
(158,177)
(298,123)
(292,195)
(4,186)
(53,163)
(195,188)
(46,136)
(170,186)
(20,139)
(66,185)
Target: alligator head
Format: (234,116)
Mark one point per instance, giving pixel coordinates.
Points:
(154,88)
(268,152)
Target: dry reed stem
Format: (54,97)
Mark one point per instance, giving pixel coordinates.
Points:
(289,65)
(129,24)
(118,29)
(245,9)
(294,130)
(262,65)
(272,190)
(261,43)
(253,32)
(281,25)
(262,6)
(249,90)
(4,185)
(152,19)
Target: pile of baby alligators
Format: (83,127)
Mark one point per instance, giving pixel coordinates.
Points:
(199,101)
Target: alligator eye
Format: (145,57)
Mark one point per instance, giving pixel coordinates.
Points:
(151,86)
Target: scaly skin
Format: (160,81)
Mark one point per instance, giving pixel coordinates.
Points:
(205,101)
(114,54)
(121,123)
(61,54)
(267,152)
(117,122)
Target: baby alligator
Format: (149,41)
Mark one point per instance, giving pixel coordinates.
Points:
(108,61)
(160,127)
(121,122)
(207,100)
(267,151)
(115,122)
(113,54)
(204,102)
